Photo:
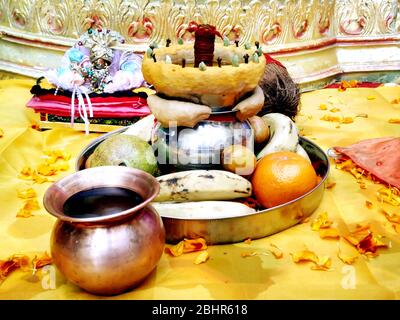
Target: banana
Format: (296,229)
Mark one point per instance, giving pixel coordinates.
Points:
(301,152)
(202,209)
(198,185)
(283,133)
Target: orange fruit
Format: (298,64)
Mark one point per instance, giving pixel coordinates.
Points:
(282,176)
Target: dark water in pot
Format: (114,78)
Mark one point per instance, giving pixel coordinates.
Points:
(100,202)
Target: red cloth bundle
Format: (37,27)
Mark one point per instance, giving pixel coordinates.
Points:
(103,107)
(379,156)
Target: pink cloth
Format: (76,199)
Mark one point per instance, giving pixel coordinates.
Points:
(380,157)
(100,110)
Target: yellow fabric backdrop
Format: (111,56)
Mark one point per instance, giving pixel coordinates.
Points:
(226,275)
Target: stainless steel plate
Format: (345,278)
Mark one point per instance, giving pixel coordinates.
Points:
(235,229)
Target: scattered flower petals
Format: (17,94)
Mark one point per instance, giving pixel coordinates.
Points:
(46,169)
(371,98)
(13,263)
(39,262)
(347,84)
(201,257)
(369,204)
(396,121)
(26,193)
(176,250)
(247,241)
(19,261)
(334,110)
(252,254)
(362,115)
(389,195)
(23,213)
(186,246)
(276,251)
(58,154)
(392,217)
(27,173)
(321,222)
(323,107)
(304,256)
(329,233)
(365,241)
(346,259)
(343,120)
(347,120)
(323,263)
(191,245)
(31,204)
(395,101)
(330,118)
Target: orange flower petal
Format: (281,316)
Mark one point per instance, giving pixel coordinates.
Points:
(201,257)
(346,259)
(371,98)
(369,204)
(44,260)
(323,107)
(276,251)
(31,204)
(329,233)
(26,193)
(252,254)
(304,256)
(247,241)
(392,217)
(334,110)
(23,213)
(388,195)
(324,264)
(46,169)
(347,120)
(321,222)
(395,101)
(13,263)
(396,121)
(191,245)
(176,250)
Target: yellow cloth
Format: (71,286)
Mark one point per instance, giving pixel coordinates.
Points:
(226,275)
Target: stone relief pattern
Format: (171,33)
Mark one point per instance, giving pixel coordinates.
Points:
(273,22)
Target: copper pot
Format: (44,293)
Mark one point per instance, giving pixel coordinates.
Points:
(110,254)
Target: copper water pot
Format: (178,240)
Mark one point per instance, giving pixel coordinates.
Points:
(110,254)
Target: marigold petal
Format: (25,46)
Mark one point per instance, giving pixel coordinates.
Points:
(329,233)
(201,257)
(26,193)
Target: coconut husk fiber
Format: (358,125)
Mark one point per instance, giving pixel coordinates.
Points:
(281,93)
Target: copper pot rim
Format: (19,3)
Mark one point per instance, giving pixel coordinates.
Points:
(107,218)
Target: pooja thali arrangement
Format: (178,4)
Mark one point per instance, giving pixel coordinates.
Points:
(210,165)
(203,142)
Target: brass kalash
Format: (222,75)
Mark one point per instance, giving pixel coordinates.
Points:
(204,95)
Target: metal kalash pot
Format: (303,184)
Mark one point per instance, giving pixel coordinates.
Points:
(201,147)
(106,254)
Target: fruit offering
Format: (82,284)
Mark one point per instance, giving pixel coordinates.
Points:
(281,177)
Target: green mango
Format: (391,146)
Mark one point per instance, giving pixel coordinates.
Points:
(125,150)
